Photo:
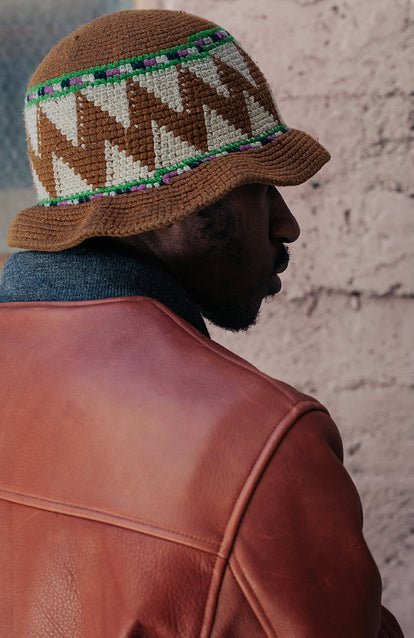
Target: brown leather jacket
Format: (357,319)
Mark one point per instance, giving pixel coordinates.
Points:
(154,485)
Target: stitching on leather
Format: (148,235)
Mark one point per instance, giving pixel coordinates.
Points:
(108,514)
(311,404)
(241,578)
(306,408)
(310,408)
(220,564)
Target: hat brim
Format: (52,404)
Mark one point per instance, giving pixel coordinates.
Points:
(290,159)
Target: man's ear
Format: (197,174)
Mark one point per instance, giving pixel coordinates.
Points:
(168,245)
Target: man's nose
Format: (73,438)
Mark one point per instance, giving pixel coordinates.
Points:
(282,224)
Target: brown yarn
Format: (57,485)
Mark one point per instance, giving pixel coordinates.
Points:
(120,35)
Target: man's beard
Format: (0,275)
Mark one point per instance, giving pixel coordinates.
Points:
(239,315)
(233,317)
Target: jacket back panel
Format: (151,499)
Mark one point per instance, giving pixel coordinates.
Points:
(130,447)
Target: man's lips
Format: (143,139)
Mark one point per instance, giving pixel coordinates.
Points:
(280,265)
(273,283)
(282,261)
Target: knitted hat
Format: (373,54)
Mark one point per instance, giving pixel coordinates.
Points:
(140,118)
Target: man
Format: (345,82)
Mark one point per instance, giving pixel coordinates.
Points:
(152,483)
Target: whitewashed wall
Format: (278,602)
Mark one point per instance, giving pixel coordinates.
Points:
(343,327)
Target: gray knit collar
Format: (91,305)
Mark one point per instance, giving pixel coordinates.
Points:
(93,271)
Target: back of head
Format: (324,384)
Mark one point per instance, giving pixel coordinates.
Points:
(141,118)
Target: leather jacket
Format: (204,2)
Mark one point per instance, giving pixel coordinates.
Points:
(155,485)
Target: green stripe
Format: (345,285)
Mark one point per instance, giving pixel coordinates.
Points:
(118,78)
(204,34)
(113,65)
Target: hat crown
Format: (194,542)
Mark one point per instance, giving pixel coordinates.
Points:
(132,112)
(115,36)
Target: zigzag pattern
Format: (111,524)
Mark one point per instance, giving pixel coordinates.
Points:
(137,132)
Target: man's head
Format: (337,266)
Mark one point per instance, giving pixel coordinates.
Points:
(140,119)
(227,256)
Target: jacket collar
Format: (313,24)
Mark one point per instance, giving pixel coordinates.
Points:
(93,271)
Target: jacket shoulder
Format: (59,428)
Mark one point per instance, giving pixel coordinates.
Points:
(134,402)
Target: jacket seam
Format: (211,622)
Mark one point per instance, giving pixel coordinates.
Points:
(208,343)
(216,581)
(114,519)
(257,469)
(246,587)
(246,492)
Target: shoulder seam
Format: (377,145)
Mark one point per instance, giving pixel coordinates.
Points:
(258,467)
(210,345)
(241,502)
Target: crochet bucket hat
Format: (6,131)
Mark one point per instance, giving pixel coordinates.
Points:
(139,119)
